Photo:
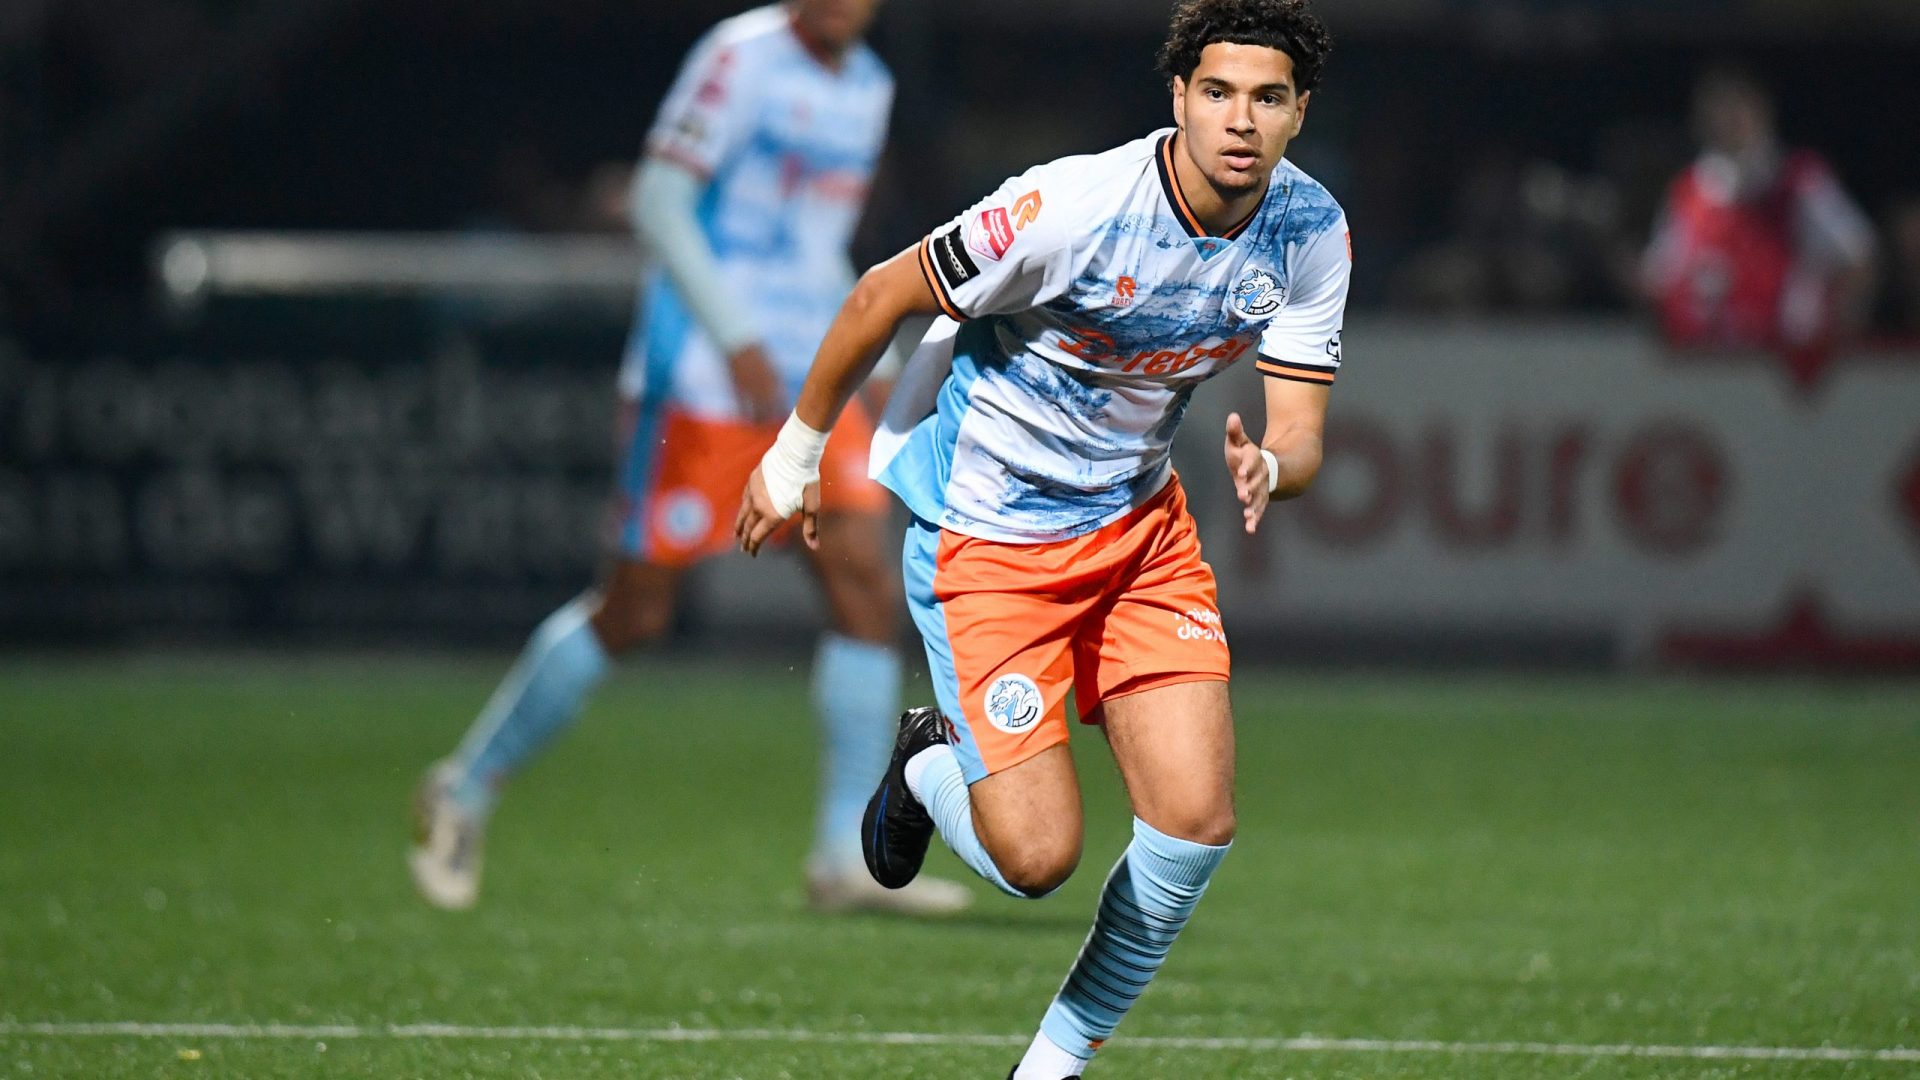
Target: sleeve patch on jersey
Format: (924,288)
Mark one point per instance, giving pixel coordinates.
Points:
(934,282)
(991,233)
(713,89)
(950,258)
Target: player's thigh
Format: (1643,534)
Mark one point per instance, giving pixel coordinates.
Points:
(857,575)
(634,603)
(1160,623)
(1028,818)
(1174,746)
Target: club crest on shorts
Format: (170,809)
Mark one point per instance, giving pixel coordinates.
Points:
(684,516)
(1257,294)
(1013,703)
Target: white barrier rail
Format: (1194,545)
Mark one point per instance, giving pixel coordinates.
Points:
(195,266)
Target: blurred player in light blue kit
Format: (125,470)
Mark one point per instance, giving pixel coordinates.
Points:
(754,177)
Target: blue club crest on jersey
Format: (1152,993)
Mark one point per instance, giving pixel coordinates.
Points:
(1257,294)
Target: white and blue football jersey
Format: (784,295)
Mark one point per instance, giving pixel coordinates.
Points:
(1084,304)
(788,143)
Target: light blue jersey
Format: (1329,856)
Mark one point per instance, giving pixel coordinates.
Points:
(788,141)
(1085,304)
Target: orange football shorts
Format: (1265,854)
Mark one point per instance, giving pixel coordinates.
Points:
(681,478)
(1010,628)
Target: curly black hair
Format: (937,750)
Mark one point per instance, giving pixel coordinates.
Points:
(1287,25)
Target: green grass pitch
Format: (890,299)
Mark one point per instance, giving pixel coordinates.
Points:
(1443,860)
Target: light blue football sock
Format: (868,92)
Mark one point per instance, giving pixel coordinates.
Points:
(539,698)
(1145,903)
(856,695)
(935,779)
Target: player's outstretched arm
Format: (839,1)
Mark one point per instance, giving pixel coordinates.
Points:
(666,199)
(788,477)
(1286,461)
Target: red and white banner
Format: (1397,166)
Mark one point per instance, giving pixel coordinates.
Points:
(1697,510)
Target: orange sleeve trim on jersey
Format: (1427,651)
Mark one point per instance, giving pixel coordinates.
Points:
(1281,369)
(940,294)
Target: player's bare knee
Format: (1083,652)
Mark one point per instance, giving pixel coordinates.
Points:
(1212,826)
(884,596)
(1038,868)
(875,620)
(623,624)
(1036,879)
(865,598)
(877,597)
(1217,830)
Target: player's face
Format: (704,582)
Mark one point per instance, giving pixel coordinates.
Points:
(1732,119)
(1239,109)
(834,24)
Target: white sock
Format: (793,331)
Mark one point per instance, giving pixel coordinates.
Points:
(1045,1061)
(916,767)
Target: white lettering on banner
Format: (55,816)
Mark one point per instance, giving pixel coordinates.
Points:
(449,409)
(270,466)
(1579,478)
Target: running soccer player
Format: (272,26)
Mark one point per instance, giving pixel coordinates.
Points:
(1051,549)
(753,180)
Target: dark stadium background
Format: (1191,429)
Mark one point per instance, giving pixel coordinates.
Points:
(126,117)
(1579,726)
(1501,162)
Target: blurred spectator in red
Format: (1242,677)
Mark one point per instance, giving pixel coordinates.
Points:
(1757,245)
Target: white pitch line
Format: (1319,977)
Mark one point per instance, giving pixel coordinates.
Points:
(927,1038)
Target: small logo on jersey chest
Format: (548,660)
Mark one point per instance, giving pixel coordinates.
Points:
(1123,291)
(1257,294)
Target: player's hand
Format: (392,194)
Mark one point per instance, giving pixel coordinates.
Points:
(1249,469)
(758,519)
(756,386)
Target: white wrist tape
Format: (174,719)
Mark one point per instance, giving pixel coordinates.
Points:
(1273,469)
(791,463)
